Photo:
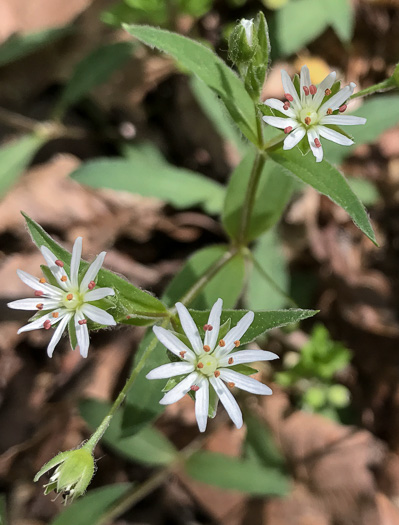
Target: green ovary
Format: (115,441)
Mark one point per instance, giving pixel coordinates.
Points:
(210,364)
(309,113)
(76,301)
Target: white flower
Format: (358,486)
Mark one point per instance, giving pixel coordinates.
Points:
(207,364)
(312,112)
(68,300)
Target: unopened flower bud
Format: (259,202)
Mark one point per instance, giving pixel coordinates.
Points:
(242,42)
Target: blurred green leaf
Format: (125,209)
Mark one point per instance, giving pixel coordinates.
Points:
(300,22)
(268,282)
(381,112)
(15,157)
(142,306)
(204,63)
(3,510)
(93,70)
(18,46)
(274,190)
(237,474)
(93,506)
(326,179)
(259,443)
(146,173)
(365,189)
(149,446)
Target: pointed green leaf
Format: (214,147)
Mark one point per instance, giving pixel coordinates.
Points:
(204,63)
(327,180)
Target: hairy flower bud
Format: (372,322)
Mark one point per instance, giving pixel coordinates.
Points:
(242,42)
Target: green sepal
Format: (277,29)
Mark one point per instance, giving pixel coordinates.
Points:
(213,402)
(56,460)
(243,369)
(48,275)
(72,333)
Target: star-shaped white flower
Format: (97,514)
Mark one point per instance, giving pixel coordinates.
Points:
(312,111)
(209,364)
(68,300)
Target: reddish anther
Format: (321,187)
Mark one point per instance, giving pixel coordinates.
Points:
(207,348)
(59,263)
(222,343)
(208,327)
(47,324)
(287,130)
(327,92)
(230,384)
(64,278)
(200,365)
(230,361)
(69,297)
(38,293)
(82,321)
(317,143)
(286,106)
(194,388)
(329,111)
(237,343)
(216,373)
(40,306)
(182,354)
(288,97)
(308,120)
(91,285)
(55,315)
(42,280)
(306,90)
(343,108)
(313,89)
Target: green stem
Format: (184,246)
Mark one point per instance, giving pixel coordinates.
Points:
(249,201)
(385,85)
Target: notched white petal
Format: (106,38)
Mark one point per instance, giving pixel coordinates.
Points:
(189,327)
(98,315)
(244,382)
(170,370)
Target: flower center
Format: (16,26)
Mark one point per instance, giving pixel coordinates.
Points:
(73,299)
(207,364)
(308,116)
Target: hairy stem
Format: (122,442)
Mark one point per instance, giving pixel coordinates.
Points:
(385,85)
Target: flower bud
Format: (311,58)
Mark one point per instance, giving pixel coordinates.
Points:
(242,42)
(75,469)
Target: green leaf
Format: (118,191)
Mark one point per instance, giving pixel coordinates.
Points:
(366,190)
(269,278)
(129,299)
(217,114)
(204,63)
(237,474)
(300,22)
(3,510)
(15,157)
(274,191)
(18,46)
(381,112)
(259,443)
(149,446)
(327,180)
(93,506)
(263,320)
(93,70)
(145,172)
(226,284)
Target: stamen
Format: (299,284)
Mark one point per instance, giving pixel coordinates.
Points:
(55,315)
(208,327)
(47,324)
(287,130)
(237,343)
(64,278)
(327,92)
(230,361)
(200,365)
(207,348)
(38,293)
(286,106)
(128,317)
(194,388)
(313,89)
(82,321)
(91,285)
(308,120)
(317,143)
(216,373)
(69,297)
(230,384)
(343,108)
(222,343)
(39,306)
(306,90)
(289,97)
(42,280)
(59,263)
(182,354)
(329,111)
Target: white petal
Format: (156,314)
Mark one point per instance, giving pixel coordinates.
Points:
(56,270)
(338,99)
(92,271)
(170,370)
(334,136)
(290,88)
(304,81)
(274,103)
(321,88)
(280,122)
(235,334)
(38,323)
(294,137)
(228,401)
(247,356)
(173,343)
(58,333)
(244,382)
(97,314)
(34,283)
(190,328)
(30,304)
(99,293)
(343,120)
(180,390)
(211,336)
(202,404)
(82,334)
(75,261)
(317,151)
